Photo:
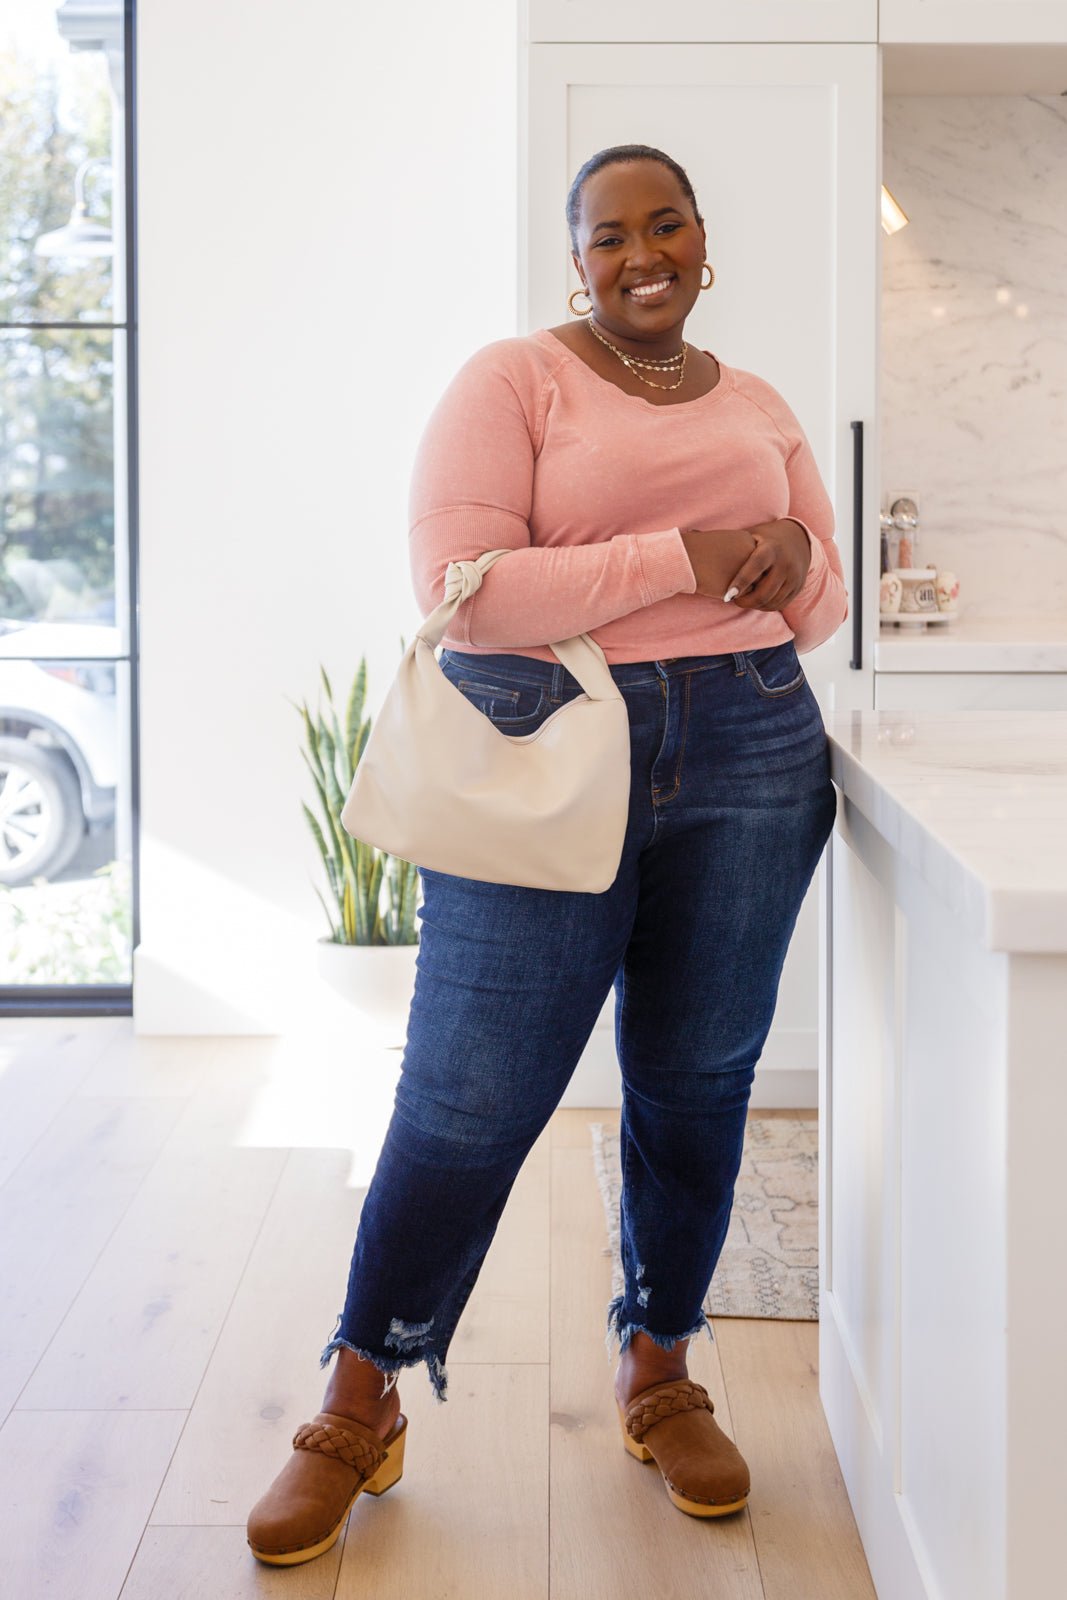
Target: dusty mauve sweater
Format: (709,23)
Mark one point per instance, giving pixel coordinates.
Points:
(529,448)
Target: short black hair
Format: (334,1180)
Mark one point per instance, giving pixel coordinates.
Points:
(618,154)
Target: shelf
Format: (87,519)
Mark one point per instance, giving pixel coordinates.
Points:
(1033,642)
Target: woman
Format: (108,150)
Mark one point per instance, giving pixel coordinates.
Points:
(670,505)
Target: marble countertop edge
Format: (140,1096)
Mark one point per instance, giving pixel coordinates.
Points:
(1013,905)
(951,879)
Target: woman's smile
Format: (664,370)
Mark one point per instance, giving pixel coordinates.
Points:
(653,293)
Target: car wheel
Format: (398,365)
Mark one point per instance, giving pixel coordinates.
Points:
(41,819)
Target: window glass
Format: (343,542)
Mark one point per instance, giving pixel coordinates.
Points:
(66,832)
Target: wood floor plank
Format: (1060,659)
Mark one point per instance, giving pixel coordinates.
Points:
(506,1317)
(208,1190)
(144,1064)
(806,1537)
(612,1525)
(58,1210)
(264,1379)
(570,1126)
(469,1518)
(216,1564)
(76,1488)
(140,1332)
(43,1061)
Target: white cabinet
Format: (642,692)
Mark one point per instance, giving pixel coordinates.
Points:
(795,243)
(798,21)
(796,247)
(983,691)
(737,21)
(941,1107)
(972,22)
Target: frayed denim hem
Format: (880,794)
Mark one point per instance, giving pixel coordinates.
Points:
(624,1331)
(401,1334)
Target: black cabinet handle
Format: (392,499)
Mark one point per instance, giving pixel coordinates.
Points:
(857,546)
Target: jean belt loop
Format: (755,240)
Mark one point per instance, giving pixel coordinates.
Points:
(740,663)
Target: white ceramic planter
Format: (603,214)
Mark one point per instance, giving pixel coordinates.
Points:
(379,980)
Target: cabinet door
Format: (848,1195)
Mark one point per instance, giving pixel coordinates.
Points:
(724,21)
(782,145)
(972,22)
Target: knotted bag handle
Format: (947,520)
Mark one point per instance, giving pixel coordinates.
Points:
(581,655)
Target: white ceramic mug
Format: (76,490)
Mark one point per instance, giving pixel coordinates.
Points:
(919,593)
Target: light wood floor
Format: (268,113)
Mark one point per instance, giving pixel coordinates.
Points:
(176,1223)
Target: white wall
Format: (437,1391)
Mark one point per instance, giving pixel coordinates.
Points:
(327,229)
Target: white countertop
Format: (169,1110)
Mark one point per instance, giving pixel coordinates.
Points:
(1034,642)
(976,801)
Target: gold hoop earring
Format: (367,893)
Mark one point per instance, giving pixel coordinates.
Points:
(711,280)
(570,302)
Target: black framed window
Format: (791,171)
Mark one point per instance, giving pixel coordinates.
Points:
(68,506)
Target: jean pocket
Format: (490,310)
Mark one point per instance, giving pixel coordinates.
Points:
(776,670)
(511,707)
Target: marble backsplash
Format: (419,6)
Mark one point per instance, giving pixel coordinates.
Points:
(974,340)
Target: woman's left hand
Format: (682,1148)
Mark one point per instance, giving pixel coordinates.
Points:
(774,573)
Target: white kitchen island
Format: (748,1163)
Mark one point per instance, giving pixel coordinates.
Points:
(943,1114)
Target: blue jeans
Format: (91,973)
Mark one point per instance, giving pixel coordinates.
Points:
(731,806)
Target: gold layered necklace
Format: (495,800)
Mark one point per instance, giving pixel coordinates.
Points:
(674,363)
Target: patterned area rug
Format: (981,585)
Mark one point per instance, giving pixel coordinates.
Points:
(769,1265)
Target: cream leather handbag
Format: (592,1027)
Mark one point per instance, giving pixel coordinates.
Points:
(439,785)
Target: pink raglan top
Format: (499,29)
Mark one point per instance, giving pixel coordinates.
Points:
(590,487)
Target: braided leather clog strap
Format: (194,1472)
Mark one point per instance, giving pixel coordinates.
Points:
(343,1444)
(666,1401)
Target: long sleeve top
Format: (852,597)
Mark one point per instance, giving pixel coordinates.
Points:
(589,488)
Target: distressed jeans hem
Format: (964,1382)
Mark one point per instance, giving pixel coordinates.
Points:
(391,1366)
(622,1330)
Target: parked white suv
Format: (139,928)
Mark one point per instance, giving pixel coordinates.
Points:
(58,743)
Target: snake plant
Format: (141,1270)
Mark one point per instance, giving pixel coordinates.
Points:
(357,872)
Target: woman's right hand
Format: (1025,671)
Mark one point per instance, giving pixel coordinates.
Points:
(715,555)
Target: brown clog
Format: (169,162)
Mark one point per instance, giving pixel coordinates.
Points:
(334,1459)
(672,1424)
